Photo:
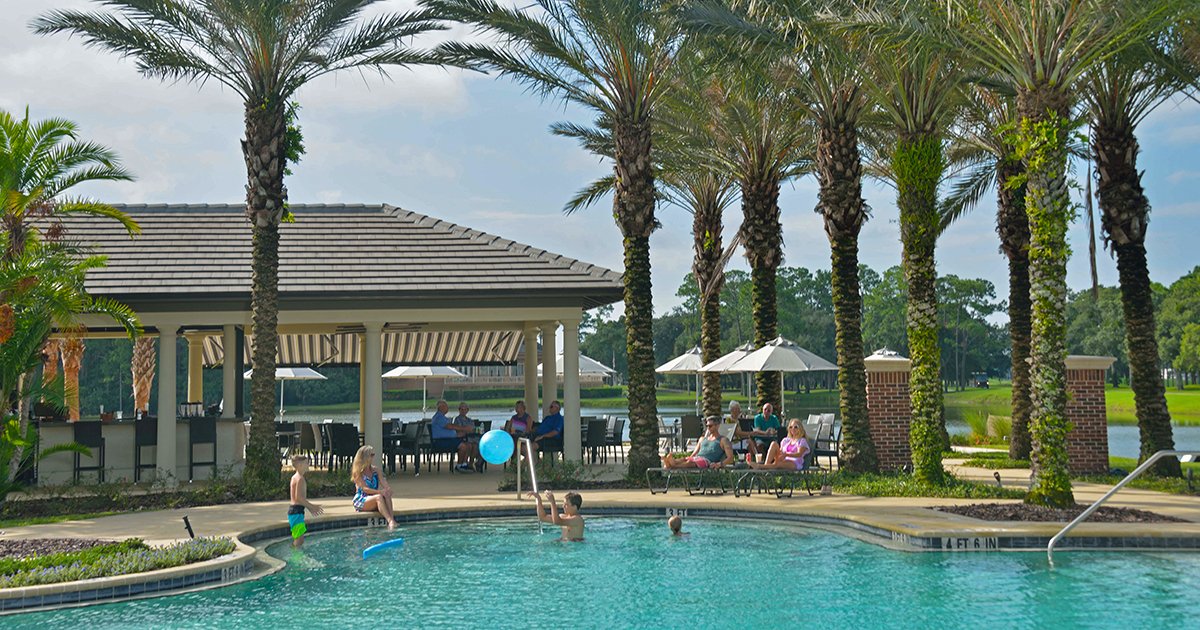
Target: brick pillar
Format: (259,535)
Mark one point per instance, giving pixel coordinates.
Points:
(889,410)
(1087,442)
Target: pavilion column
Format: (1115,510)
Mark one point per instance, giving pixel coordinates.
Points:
(372,362)
(195,369)
(165,452)
(549,371)
(572,449)
(229,374)
(362,384)
(531,361)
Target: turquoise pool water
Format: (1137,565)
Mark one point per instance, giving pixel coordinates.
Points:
(630,573)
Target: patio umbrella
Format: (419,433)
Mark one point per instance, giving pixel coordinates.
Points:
(781,356)
(424,372)
(722,364)
(587,365)
(290,374)
(689,362)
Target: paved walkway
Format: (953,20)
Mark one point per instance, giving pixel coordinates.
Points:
(434,491)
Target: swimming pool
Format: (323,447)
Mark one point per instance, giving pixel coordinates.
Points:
(630,573)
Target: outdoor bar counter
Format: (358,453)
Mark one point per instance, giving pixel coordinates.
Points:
(119,451)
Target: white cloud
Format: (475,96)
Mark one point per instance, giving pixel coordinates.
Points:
(1183,176)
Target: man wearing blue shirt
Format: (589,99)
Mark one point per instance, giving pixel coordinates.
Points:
(548,434)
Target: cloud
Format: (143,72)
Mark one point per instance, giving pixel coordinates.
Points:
(1183,176)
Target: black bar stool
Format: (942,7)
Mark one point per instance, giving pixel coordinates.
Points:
(145,433)
(90,435)
(201,431)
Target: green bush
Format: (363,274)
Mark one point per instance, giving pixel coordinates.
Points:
(996,463)
(904,485)
(130,556)
(561,476)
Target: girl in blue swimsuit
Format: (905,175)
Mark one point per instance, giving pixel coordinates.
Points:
(371,490)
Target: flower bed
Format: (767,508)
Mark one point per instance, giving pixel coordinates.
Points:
(129,556)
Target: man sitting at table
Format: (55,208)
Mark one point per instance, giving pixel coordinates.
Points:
(468,449)
(549,432)
(444,437)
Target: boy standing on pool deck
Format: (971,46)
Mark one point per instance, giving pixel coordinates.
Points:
(300,501)
(570,520)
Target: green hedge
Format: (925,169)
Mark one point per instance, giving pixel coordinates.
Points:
(130,556)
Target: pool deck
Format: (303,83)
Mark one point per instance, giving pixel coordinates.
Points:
(446,493)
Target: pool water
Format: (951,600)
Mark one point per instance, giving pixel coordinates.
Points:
(630,573)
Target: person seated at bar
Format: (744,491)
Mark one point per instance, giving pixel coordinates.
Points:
(468,448)
(549,432)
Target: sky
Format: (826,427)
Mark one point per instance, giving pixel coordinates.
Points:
(475,150)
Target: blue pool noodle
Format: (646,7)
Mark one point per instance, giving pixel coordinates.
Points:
(387,544)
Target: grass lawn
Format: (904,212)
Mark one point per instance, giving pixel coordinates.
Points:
(1184,405)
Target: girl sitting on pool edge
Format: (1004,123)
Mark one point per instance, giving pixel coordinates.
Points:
(371,490)
(570,520)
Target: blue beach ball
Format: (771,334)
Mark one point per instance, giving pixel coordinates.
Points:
(496,446)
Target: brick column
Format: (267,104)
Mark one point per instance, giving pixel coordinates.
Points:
(889,411)
(1087,442)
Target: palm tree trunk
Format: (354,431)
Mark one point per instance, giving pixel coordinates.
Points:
(918,163)
(839,175)
(633,208)
(1126,212)
(264,152)
(706,231)
(1043,140)
(762,234)
(1013,227)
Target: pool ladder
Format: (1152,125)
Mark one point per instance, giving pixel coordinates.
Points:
(1121,484)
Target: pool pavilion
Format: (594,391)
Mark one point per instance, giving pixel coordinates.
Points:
(358,284)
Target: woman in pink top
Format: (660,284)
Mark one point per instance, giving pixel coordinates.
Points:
(788,453)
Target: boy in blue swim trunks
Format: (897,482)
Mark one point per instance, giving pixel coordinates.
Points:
(299,494)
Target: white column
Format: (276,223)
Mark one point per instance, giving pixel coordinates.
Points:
(165,451)
(373,385)
(229,375)
(572,449)
(531,362)
(195,367)
(549,371)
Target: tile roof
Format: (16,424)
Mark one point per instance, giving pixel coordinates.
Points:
(190,252)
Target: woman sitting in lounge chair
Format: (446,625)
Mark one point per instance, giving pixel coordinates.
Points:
(788,453)
(712,451)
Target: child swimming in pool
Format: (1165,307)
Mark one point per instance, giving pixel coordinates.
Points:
(676,525)
(570,520)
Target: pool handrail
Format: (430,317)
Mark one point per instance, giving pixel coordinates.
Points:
(1121,484)
(532,474)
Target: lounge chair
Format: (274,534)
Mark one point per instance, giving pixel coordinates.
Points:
(775,481)
(695,480)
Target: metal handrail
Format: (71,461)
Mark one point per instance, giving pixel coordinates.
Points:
(1121,484)
(532,474)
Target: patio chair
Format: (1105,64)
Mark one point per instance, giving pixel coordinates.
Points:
(829,441)
(90,435)
(667,434)
(202,431)
(406,444)
(343,444)
(691,429)
(597,439)
(309,441)
(616,439)
(145,434)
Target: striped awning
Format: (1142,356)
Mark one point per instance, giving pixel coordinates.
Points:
(490,347)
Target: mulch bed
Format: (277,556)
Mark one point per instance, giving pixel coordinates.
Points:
(1023,512)
(45,546)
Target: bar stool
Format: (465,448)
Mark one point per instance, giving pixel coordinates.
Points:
(145,433)
(201,431)
(90,435)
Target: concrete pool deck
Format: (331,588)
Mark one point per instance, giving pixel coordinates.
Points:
(434,492)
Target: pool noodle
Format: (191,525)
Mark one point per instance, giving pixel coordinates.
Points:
(383,546)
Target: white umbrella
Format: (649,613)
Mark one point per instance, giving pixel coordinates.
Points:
(289,374)
(587,365)
(781,356)
(722,364)
(689,362)
(424,372)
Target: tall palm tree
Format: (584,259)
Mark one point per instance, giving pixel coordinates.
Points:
(263,50)
(612,57)
(918,91)
(1119,93)
(40,161)
(828,89)
(983,140)
(1043,47)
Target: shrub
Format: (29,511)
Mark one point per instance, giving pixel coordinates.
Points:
(905,485)
(130,556)
(560,476)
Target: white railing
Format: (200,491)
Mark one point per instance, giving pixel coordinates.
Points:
(1121,484)
(532,473)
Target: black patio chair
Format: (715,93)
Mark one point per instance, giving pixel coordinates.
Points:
(407,443)
(597,439)
(343,444)
(616,439)
(691,428)
(202,431)
(90,435)
(145,433)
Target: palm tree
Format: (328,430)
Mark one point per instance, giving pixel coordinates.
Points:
(40,161)
(918,90)
(1119,93)
(264,51)
(1043,47)
(983,141)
